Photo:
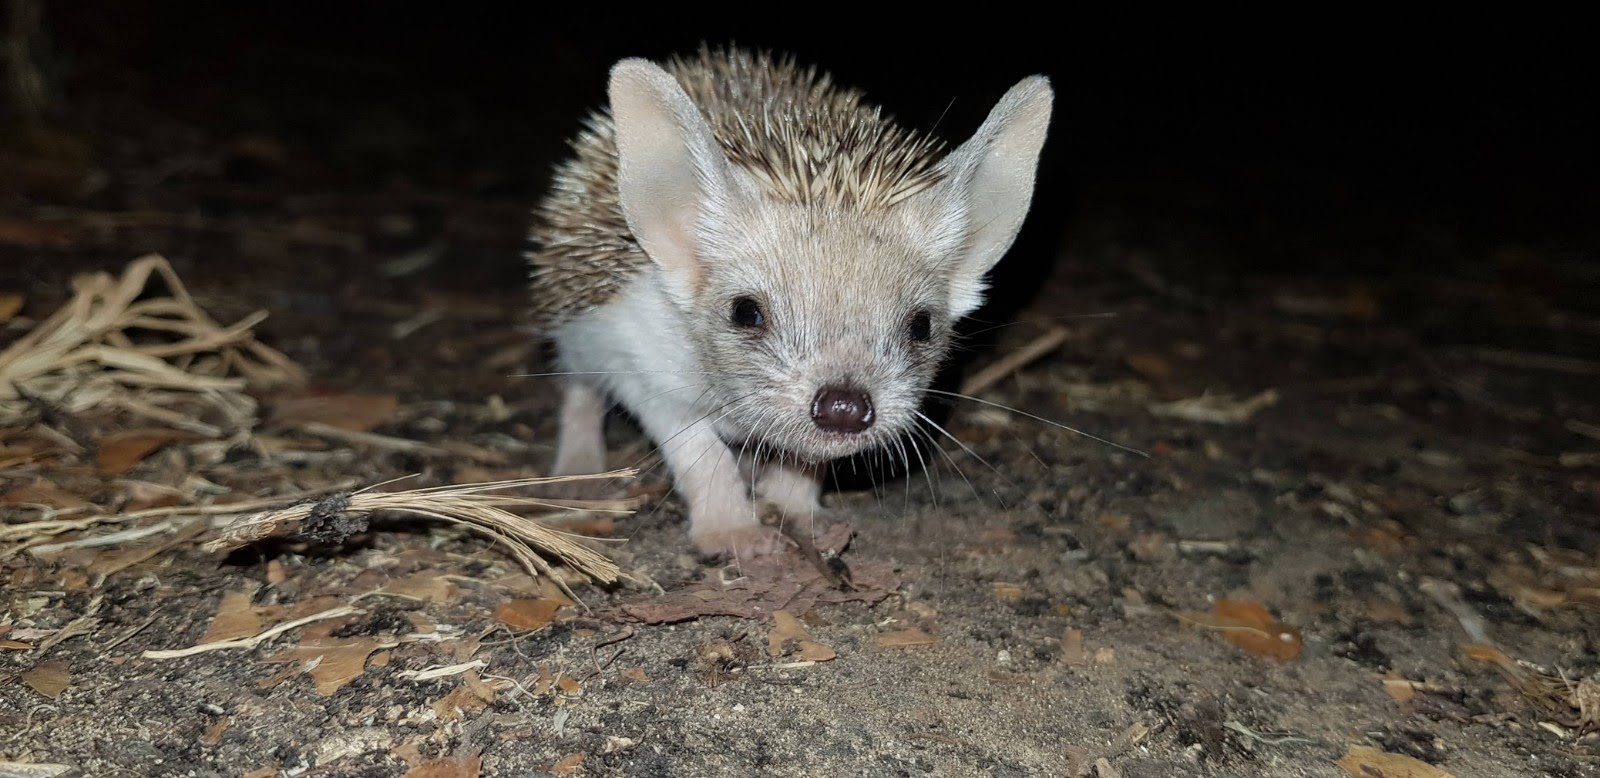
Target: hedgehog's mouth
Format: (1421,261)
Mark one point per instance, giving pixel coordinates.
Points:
(816,446)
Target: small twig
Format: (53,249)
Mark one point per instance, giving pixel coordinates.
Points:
(56,527)
(79,626)
(594,650)
(1526,360)
(371,439)
(126,636)
(113,539)
(1271,740)
(1036,349)
(1591,431)
(252,642)
(1448,596)
(441,671)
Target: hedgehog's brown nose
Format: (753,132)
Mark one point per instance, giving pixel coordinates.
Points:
(838,409)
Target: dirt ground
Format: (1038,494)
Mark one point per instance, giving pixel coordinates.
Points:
(1367,519)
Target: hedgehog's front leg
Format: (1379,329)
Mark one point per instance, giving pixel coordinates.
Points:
(795,489)
(581,442)
(722,519)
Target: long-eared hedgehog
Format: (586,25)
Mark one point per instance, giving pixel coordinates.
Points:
(764,270)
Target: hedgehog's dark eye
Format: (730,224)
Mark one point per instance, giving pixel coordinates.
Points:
(920,329)
(747,313)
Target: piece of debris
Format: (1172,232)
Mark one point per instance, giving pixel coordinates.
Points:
(572,764)
(481,508)
(1007,592)
(255,640)
(1072,653)
(349,411)
(422,587)
(1036,349)
(1250,626)
(786,629)
(459,767)
(33,769)
(122,451)
(332,662)
(1448,596)
(527,614)
(1216,408)
(766,584)
(48,678)
(905,638)
(442,671)
(236,618)
(1368,762)
(1571,704)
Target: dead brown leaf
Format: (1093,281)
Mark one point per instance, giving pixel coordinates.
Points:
(594,527)
(787,629)
(1114,521)
(213,734)
(454,767)
(49,678)
(1368,762)
(236,618)
(1399,689)
(905,638)
(424,586)
(26,233)
(527,614)
(120,452)
(569,765)
(1007,592)
(788,582)
(1072,653)
(334,661)
(478,688)
(1153,367)
(1385,611)
(10,306)
(354,412)
(544,681)
(1250,626)
(42,492)
(636,675)
(459,702)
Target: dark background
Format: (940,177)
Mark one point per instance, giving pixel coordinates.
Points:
(1311,146)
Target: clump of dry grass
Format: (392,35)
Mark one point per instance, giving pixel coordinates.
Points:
(116,346)
(138,345)
(1553,696)
(480,507)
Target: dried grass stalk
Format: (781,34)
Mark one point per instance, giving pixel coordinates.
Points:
(480,507)
(1553,696)
(112,345)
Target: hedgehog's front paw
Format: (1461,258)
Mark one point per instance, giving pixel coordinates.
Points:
(742,542)
(793,493)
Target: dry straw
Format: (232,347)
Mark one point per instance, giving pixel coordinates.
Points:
(117,345)
(481,508)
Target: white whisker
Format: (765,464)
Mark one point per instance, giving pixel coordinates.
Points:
(1056,424)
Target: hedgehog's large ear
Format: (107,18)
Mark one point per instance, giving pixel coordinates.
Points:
(669,167)
(989,184)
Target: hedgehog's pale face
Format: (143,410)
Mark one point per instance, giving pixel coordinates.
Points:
(820,328)
(820,322)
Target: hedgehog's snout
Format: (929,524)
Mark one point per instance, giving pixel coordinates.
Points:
(842,409)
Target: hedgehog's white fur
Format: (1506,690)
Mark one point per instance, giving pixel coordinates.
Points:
(738,176)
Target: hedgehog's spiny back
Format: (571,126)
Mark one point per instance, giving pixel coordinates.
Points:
(803,138)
